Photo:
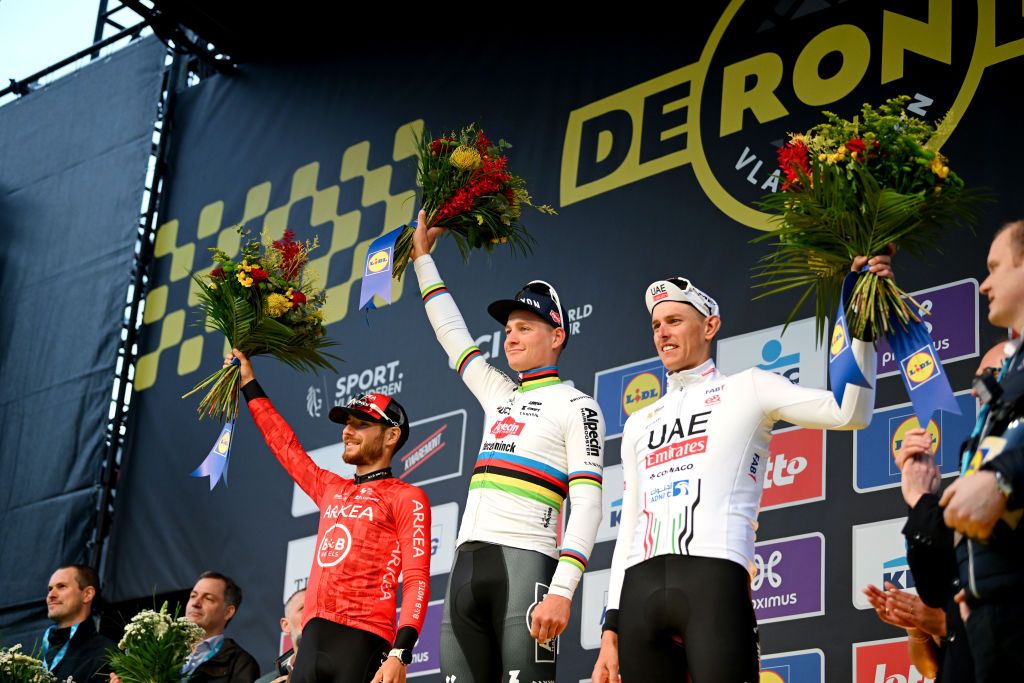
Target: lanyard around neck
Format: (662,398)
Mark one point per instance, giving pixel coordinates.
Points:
(50,666)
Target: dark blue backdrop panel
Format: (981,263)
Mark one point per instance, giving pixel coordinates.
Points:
(72,174)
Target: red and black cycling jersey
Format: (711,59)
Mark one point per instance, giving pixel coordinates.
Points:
(370,534)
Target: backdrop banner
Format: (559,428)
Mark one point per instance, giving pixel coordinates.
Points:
(654,148)
(72,173)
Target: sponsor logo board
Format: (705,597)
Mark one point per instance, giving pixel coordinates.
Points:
(950,312)
(594,598)
(798,666)
(884,661)
(794,355)
(611,504)
(444,528)
(626,389)
(789,578)
(875,447)
(880,555)
(796,468)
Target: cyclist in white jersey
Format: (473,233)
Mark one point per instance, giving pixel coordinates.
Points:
(693,466)
(512,583)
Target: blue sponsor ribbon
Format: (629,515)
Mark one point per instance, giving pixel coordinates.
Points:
(216,464)
(921,370)
(380,259)
(842,364)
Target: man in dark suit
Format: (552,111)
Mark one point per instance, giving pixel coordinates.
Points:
(72,646)
(213,602)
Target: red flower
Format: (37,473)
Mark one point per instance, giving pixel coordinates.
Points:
(217,272)
(437,146)
(793,158)
(298,298)
(258,274)
(292,256)
(482,142)
(856,145)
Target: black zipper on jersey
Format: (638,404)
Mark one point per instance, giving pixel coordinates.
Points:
(373,476)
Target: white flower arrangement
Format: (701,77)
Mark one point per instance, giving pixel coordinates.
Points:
(18,667)
(155,646)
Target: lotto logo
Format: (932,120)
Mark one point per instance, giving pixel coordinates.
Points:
(884,661)
(796,468)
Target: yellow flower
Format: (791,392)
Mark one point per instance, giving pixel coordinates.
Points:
(822,157)
(213,285)
(465,158)
(938,167)
(278,305)
(841,150)
(499,240)
(244,279)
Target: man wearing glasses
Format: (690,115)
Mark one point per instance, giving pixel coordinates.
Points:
(373,529)
(511,586)
(693,466)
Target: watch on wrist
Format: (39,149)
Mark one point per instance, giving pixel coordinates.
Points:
(1003,484)
(404,655)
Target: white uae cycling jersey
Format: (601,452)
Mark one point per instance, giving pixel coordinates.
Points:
(693,462)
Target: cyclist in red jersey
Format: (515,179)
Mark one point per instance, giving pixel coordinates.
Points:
(373,529)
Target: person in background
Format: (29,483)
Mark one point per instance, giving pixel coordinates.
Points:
(925,626)
(291,624)
(72,646)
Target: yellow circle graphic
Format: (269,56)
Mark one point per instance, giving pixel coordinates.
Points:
(771,677)
(838,340)
(378,261)
(911,423)
(920,367)
(642,391)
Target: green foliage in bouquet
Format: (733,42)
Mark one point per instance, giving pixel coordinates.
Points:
(468,189)
(18,667)
(853,187)
(264,304)
(155,647)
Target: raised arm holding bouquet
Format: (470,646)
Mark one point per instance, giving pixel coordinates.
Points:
(466,188)
(864,186)
(265,304)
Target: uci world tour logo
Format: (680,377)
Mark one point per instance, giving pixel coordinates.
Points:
(769,68)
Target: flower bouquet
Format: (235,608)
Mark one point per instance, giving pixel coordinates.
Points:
(265,305)
(17,667)
(468,189)
(155,647)
(853,188)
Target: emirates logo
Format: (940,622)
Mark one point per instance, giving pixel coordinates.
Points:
(507,427)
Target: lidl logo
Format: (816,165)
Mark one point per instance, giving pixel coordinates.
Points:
(801,666)
(920,366)
(874,447)
(623,390)
(905,426)
(642,391)
(838,341)
(378,261)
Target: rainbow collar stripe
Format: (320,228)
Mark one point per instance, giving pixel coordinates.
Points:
(538,378)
